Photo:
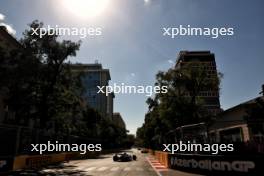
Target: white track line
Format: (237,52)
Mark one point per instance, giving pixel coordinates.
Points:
(102,169)
(90,169)
(114,169)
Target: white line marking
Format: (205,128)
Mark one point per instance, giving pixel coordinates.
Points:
(102,168)
(114,169)
(127,169)
(90,169)
(80,168)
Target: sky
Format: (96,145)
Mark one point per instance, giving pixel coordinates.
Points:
(133,47)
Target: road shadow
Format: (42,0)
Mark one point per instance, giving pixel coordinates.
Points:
(54,170)
(103,157)
(97,157)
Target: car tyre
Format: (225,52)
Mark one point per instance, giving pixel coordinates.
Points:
(115,158)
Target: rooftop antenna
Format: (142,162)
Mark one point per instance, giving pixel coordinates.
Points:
(96,61)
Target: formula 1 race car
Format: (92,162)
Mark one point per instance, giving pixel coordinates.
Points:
(124,157)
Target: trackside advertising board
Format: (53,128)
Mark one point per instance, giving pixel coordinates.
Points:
(217,164)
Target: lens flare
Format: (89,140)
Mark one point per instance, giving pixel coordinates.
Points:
(86,8)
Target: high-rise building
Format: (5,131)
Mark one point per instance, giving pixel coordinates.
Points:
(94,75)
(206,59)
(110,105)
(7,40)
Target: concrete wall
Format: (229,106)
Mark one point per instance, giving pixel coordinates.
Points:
(37,161)
(242,165)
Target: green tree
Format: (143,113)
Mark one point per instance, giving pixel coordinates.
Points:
(181,105)
(36,83)
(53,81)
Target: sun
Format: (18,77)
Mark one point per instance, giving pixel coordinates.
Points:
(86,8)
